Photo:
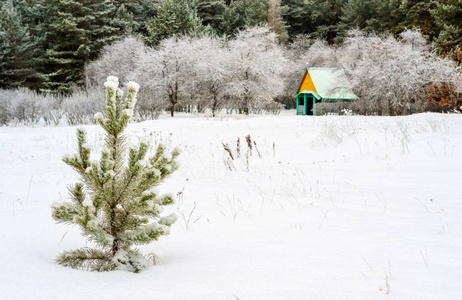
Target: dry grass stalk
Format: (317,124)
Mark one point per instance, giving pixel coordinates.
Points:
(255,144)
(227,149)
(238,147)
(249,143)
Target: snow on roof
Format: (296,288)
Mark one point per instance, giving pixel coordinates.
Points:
(330,84)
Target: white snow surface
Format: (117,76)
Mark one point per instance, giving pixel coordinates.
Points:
(332,207)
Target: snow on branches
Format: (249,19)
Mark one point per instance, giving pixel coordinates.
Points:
(115,203)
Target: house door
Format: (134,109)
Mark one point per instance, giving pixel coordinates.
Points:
(309,104)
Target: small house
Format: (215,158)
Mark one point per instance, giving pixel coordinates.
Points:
(322,85)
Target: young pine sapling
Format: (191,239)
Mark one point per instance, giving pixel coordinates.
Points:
(115,204)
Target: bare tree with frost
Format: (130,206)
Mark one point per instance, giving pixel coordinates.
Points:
(116,204)
(122,58)
(167,69)
(319,54)
(390,74)
(256,64)
(119,58)
(211,69)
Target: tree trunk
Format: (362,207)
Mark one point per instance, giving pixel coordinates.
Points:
(214,105)
(391,108)
(115,243)
(246,106)
(332,10)
(174,99)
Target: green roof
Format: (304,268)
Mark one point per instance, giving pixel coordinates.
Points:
(330,84)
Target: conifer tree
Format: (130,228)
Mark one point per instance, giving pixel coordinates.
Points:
(232,22)
(297,15)
(253,12)
(16,47)
(174,17)
(134,15)
(366,15)
(211,12)
(115,204)
(80,28)
(325,17)
(448,14)
(125,21)
(414,14)
(36,18)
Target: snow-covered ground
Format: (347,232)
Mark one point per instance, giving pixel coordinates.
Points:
(333,207)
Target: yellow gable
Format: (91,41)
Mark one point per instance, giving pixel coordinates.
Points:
(307,83)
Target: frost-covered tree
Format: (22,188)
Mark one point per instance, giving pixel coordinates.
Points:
(211,70)
(256,64)
(390,74)
(122,59)
(167,69)
(119,59)
(319,54)
(115,204)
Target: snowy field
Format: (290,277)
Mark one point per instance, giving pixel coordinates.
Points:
(333,207)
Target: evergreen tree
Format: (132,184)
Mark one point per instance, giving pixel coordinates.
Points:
(410,14)
(115,203)
(125,21)
(252,12)
(366,15)
(80,29)
(36,16)
(16,47)
(211,13)
(134,15)
(325,18)
(297,15)
(448,14)
(232,21)
(174,17)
